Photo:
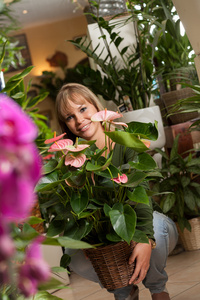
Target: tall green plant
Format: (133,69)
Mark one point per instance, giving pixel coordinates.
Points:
(9,24)
(130,74)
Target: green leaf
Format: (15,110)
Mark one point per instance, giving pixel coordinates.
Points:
(135,179)
(79,201)
(49,166)
(53,283)
(107,209)
(48,182)
(140,237)
(169,202)
(144,130)
(43,295)
(189,199)
(65,260)
(146,162)
(56,227)
(139,195)
(124,223)
(34,220)
(127,139)
(73,244)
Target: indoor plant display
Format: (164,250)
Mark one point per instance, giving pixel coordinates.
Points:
(84,196)
(179,187)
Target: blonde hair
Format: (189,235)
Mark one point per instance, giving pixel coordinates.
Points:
(74,92)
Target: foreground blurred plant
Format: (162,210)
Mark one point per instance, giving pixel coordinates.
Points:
(22,269)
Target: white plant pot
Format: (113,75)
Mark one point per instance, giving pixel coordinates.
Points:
(148,115)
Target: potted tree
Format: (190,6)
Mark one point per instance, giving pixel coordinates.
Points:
(179,193)
(84,196)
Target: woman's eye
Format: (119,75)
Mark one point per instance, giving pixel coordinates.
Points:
(83,109)
(68,118)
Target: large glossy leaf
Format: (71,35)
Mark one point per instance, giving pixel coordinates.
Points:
(145,162)
(144,130)
(189,198)
(169,202)
(124,223)
(140,237)
(49,166)
(76,179)
(72,243)
(44,295)
(65,260)
(56,227)
(139,195)
(135,179)
(76,229)
(96,168)
(128,140)
(79,201)
(48,182)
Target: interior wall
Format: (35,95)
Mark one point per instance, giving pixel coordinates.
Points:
(189,12)
(43,41)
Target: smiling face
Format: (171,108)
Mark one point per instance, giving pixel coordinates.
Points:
(78,119)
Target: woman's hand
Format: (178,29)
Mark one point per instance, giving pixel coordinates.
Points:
(141,255)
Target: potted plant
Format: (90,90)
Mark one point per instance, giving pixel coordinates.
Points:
(179,191)
(84,196)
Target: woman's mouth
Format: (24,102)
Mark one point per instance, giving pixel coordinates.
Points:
(84,128)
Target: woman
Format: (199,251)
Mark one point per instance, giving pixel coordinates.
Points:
(75,105)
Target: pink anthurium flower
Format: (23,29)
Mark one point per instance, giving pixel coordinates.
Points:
(108,116)
(77,148)
(75,161)
(60,145)
(146,142)
(121,178)
(54,139)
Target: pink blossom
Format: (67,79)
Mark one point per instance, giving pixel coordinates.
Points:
(75,161)
(60,145)
(146,142)
(7,247)
(121,178)
(20,164)
(55,138)
(16,127)
(34,270)
(77,148)
(108,116)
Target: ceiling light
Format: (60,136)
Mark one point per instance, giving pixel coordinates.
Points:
(25,11)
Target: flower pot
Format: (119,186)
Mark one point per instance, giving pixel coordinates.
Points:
(148,115)
(171,98)
(111,264)
(190,240)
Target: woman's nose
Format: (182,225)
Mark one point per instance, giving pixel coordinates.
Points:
(79,119)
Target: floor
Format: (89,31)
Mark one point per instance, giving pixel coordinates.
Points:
(184,282)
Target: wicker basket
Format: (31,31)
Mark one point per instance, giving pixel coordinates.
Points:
(171,98)
(111,264)
(190,240)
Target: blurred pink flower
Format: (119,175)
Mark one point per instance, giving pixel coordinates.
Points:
(7,247)
(20,164)
(34,270)
(75,161)
(108,116)
(121,178)
(16,127)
